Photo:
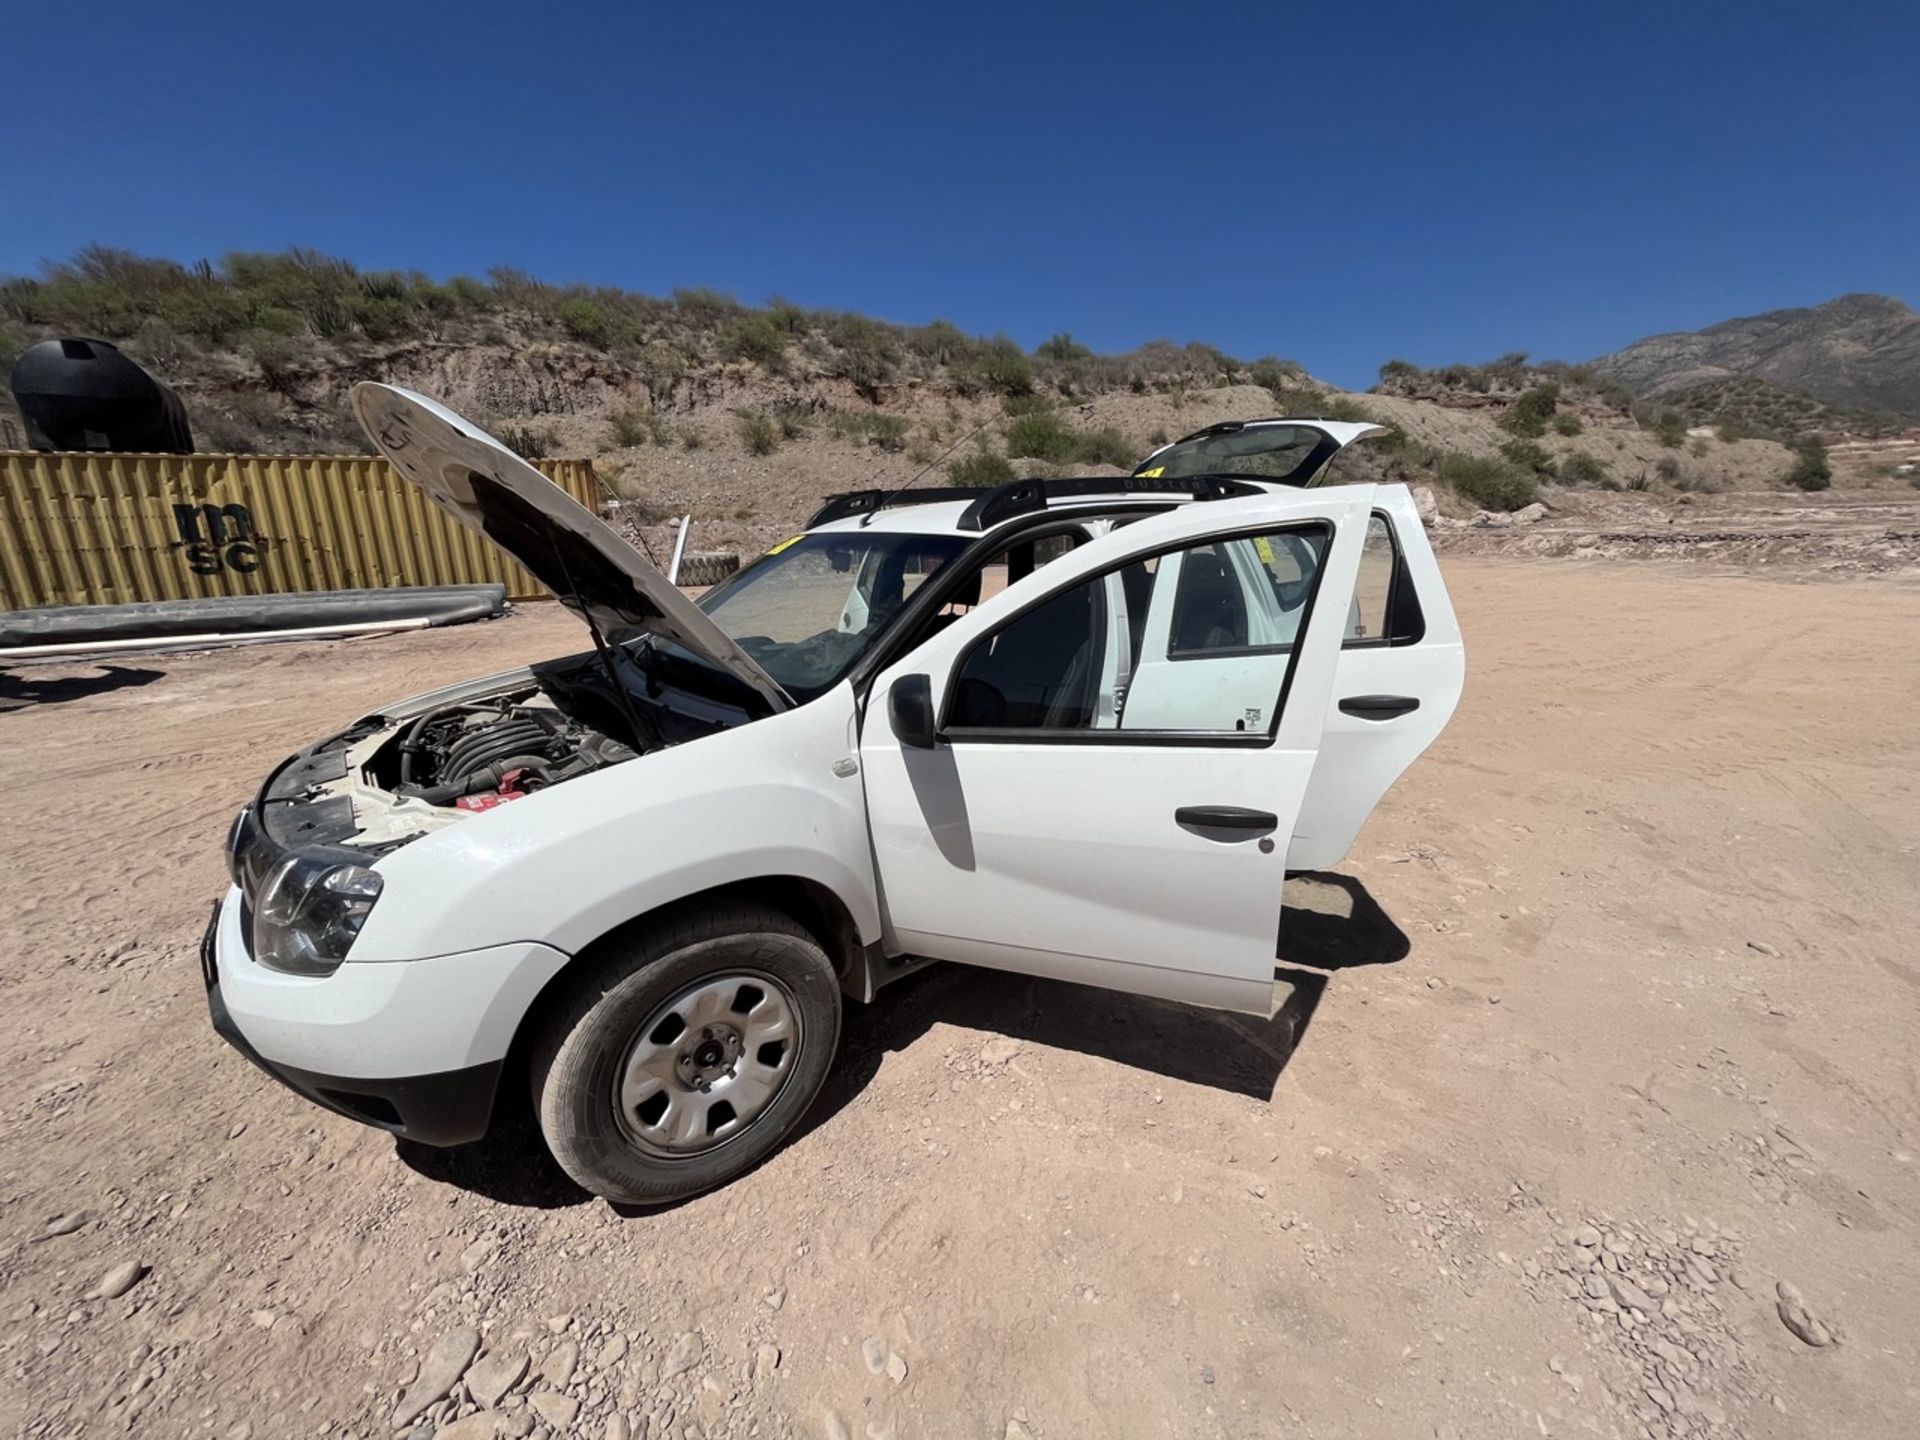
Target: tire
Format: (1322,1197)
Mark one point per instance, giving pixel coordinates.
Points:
(707,567)
(605,1058)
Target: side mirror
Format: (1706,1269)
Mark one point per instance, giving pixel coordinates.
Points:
(910,711)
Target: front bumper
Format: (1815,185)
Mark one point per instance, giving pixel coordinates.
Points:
(413,1047)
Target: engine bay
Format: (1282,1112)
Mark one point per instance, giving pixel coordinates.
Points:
(439,758)
(478,754)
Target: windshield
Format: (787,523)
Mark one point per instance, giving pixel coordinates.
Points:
(810,607)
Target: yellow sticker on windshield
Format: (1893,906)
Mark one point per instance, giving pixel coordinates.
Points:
(1154,474)
(1265,547)
(790,540)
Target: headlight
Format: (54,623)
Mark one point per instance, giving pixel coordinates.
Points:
(309,911)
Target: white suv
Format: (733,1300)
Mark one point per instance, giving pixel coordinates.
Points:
(1077,728)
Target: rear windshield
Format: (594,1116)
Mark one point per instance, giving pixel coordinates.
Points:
(1257,452)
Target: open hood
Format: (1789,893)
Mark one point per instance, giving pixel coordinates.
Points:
(1292,452)
(488,488)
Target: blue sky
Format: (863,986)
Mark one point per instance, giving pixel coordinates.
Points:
(1335,184)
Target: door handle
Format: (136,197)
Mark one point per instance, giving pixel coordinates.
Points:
(1378,707)
(1226,817)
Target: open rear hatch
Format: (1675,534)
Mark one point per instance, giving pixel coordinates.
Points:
(1290,451)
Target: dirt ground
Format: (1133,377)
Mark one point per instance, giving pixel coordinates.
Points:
(1604,1031)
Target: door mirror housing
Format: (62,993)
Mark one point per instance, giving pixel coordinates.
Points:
(910,711)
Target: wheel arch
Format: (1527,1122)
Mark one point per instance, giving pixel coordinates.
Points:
(814,906)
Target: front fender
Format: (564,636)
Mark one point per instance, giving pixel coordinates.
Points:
(566,865)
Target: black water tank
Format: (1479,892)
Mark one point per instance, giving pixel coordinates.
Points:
(85,395)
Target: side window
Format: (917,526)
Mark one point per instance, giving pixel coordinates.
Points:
(988,579)
(1373,588)
(1104,654)
(1241,597)
(1040,672)
(1385,609)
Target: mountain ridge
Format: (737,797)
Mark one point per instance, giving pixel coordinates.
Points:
(1858,350)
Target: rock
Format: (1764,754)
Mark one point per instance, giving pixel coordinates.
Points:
(618,1428)
(490,1379)
(236,1130)
(1807,1326)
(263,1319)
(65,1224)
(1582,1258)
(557,1369)
(1530,514)
(684,1355)
(1596,1286)
(1425,505)
(440,1371)
(481,1425)
(896,1368)
(1587,1237)
(774,1299)
(557,1324)
(873,1350)
(1760,947)
(611,1353)
(1017,1431)
(765,1361)
(117,1281)
(556,1409)
(1630,1295)
(999,1050)
(836,1428)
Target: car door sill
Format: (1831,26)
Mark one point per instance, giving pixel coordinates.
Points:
(1247,996)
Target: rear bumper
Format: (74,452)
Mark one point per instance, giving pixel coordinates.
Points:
(414,1048)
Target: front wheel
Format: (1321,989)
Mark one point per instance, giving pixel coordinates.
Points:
(682,1058)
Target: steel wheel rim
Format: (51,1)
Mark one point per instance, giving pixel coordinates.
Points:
(706,1064)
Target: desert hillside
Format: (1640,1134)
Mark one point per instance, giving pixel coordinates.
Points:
(747,415)
(1857,352)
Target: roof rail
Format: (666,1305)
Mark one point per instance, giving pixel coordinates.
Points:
(1024,497)
(866,502)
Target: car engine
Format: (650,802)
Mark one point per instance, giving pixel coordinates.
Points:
(477,755)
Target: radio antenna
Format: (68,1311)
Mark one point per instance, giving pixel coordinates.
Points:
(894,494)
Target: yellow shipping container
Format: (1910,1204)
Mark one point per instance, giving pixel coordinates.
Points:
(104,529)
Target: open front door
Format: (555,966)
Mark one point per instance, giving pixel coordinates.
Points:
(1028,815)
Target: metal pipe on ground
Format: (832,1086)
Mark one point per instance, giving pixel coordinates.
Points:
(150,621)
(154,644)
